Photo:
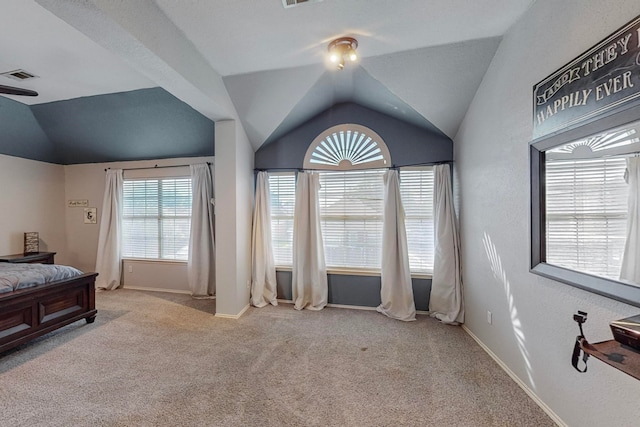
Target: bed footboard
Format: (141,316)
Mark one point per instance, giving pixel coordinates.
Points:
(29,313)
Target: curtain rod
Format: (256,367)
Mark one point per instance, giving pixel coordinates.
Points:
(391,167)
(156,167)
(278,169)
(444,162)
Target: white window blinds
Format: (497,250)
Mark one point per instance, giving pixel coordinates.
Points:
(351,206)
(586,205)
(416,190)
(157,218)
(351,215)
(282,191)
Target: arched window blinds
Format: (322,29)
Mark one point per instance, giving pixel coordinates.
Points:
(347,147)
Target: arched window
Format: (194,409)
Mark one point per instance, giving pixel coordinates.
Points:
(347,147)
(351,160)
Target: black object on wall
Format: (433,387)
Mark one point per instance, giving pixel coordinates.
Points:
(408,144)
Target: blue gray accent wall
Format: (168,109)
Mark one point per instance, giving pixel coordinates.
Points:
(362,291)
(21,135)
(408,144)
(142,124)
(137,125)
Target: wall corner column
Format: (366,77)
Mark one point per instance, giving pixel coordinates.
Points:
(234,200)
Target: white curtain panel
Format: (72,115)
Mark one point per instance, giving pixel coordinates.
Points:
(263,268)
(396,292)
(446,302)
(201,266)
(630,270)
(309,281)
(109,258)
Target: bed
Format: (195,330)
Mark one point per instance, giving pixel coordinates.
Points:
(36,299)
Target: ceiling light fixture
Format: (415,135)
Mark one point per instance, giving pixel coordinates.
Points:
(343,49)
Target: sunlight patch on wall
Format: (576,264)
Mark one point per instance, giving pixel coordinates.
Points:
(501,275)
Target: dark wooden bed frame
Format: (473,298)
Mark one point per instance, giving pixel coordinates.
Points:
(29,313)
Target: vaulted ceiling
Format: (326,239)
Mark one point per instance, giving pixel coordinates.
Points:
(255,61)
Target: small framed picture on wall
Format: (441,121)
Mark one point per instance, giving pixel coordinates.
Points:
(90,216)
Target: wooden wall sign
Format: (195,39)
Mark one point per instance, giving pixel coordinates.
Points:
(604,79)
(77,203)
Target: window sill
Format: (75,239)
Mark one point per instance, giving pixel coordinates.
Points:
(152,260)
(356,272)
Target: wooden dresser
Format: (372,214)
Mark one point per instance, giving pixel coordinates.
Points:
(34,258)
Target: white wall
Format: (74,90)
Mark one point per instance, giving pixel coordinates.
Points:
(533,331)
(163,276)
(234,198)
(86,182)
(244,201)
(226,260)
(33,196)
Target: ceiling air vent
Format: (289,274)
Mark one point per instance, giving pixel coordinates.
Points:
(18,75)
(291,3)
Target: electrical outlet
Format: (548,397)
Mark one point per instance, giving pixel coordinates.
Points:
(131,269)
(489,317)
(248,284)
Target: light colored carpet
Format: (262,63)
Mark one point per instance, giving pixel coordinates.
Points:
(155,359)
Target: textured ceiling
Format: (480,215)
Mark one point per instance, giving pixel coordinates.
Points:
(254,61)
(429,87)
(351,85)
(243,36)
(69,65)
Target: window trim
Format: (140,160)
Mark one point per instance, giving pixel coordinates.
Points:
(169,261)
(338,149)
(158,218)
(614,289)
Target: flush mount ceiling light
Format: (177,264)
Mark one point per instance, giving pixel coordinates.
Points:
(343,49)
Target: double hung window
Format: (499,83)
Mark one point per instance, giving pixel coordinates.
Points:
(586,208)
(351,212)
(416,191)
(351,215)
(282,192)
(157,218)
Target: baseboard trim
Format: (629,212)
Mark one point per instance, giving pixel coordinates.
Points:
(171,291)
(517,380)
(233,316)
(351,307)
